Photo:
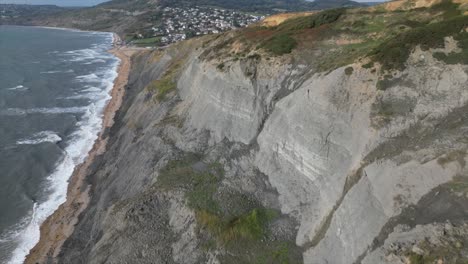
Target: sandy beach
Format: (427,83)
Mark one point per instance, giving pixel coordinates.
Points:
(60,225)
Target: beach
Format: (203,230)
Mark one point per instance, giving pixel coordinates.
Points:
(60,225)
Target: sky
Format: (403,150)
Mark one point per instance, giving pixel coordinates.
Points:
(85,2)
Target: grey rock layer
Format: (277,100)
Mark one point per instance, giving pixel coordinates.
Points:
(342,158)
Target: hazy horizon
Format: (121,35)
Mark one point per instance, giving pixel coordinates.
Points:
(86,2)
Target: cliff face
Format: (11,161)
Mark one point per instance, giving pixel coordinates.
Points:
(268,159)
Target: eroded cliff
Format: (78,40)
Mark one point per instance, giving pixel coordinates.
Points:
(230,149)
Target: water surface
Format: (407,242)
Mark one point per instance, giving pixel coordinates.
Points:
(54,85)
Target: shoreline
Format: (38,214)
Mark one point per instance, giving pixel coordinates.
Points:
(60,225)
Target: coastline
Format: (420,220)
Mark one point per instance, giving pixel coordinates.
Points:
(60,225)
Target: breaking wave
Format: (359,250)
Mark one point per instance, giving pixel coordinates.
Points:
(40,137)
(75,151)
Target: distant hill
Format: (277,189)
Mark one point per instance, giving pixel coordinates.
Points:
(23,13)
(131,16)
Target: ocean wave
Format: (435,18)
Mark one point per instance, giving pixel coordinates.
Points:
(52,110)
(88,78)
(94,61)
(90,88)
(87,55)
(75,152)
(40,137)
(12,233)
(52,72)
(18,88)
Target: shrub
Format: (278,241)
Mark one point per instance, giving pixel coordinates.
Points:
(386,82)
(220,66)
(312,21)
(368,65)
(254,56)
(280,44)
(393,53)
(349,70)
(456,57)
(250,226)
(199,186)
(416,259)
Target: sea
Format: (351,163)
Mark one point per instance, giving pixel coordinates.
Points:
(54,86)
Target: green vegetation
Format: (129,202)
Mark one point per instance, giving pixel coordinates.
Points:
(450,250)
(368,65)
(283,38)
(456,155)
(280,44)
(393,53)
(344,55)
(200,191)
(163,86)
(167,82)
(416,258)
(226,218)
(220,66)
(199,186)
(386,82)
(456,57)
(254,56)
(349,70)
(311,21)
(249,226)
(147,41)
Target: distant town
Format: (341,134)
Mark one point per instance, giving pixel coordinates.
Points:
(167,24)
(182,23)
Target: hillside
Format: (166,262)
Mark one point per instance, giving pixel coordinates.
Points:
(327,137)
(129,17)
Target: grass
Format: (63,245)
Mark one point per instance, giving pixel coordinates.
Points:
(167,82)
(448,251)
(311,21)
(281,40)
(147,41)
(457,155)
(280,44)
(200,191)
(456,57)
(249,226)
(415,258)
(344,55)
(199,187)
(368,65)
(387,82)
(226,219)
(393,53)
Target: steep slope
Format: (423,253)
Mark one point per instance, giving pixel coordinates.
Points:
(335,137)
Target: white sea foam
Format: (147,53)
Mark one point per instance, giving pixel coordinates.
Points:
(85,55)
(95,61)
(88,78)
(18,88)
(74,153)
(52,110)
(52,72)
(40,137)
